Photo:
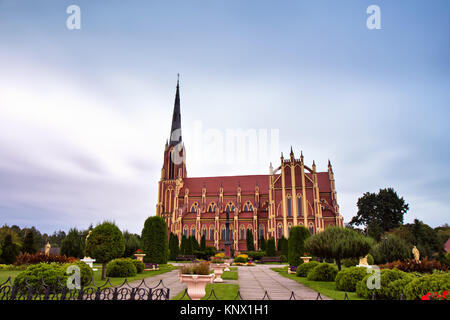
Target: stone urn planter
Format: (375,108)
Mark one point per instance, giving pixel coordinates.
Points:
(306,259)
(228,263)
(218,271)
(140,256)
(196,284)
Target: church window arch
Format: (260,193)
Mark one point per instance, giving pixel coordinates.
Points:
(194,207)
(212,207)
(242,232)
(248,207)
(186,231)
(299,206)
(261,231)
(192,231)
(279,230)
(204,231)
(311,228)
(289,206)
(222,232)
(230,207)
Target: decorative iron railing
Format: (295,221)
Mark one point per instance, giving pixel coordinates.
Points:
(90,291)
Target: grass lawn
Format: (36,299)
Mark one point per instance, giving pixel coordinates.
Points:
(230,275)
(223,291)
(163,268)
(324,287)
(4,275)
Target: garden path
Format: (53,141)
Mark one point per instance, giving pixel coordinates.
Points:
(255,281)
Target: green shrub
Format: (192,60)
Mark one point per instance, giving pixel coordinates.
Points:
(271,252)
(323,272)
(140,266)
(420,286)
(386,277)
(256,255)
(155,241)
(350,262)
(86,273)
(370,260)
(121,268)
(296,244)
(347,279)
(34,274)
(283,258)
(392,248)
(304,268)
(239,259)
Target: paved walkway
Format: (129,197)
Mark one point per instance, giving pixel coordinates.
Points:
(170,280)
(255,281)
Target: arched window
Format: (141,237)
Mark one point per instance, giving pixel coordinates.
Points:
(212,207)
(192,231)
(289,206)
(211,233)
(289,227)
(230,207)
(204,231)
(299,206)
(194,207)
(186,231)
(248,207)
(261,232)
(280,231)
(242,233)
(222,233)
(311,228)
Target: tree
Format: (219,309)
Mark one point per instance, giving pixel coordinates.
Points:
(203,242)
(73,244)
(421,235)
(155,241)
(380,212)
(391,248)
(28,243)
(132,243)
(105,243)
(282,247)
(338,243)
(296,244)
(250,241)
(10,250)
(271,252)
(262,243)
(173,246)
(184,244)
(195,245)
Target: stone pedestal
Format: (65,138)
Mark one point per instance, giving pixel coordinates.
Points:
(140,256)
(90,262)
(306,259)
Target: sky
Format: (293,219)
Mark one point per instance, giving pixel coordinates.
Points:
(85,113)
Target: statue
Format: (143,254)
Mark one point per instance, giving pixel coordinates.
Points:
(416,254)
(89,233)
(363,261)
(47,249)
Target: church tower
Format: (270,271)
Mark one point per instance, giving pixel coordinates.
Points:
(174,167)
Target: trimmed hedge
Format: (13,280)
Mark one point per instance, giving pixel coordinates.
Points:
(86,272)
(35,273)
(418,287)
(296,244)
(323,272)
(347,279)
(140,266)
(304,268)
(121,268)
(386,278)
(155,241)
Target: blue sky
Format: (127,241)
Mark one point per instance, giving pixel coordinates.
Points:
(84,114)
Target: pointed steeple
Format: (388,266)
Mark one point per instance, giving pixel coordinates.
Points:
(175,131)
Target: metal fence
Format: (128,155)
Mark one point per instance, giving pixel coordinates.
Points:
(90,291)
(212,296)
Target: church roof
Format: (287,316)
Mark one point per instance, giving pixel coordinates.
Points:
(230,184)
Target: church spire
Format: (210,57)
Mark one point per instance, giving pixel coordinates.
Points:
(175,131)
